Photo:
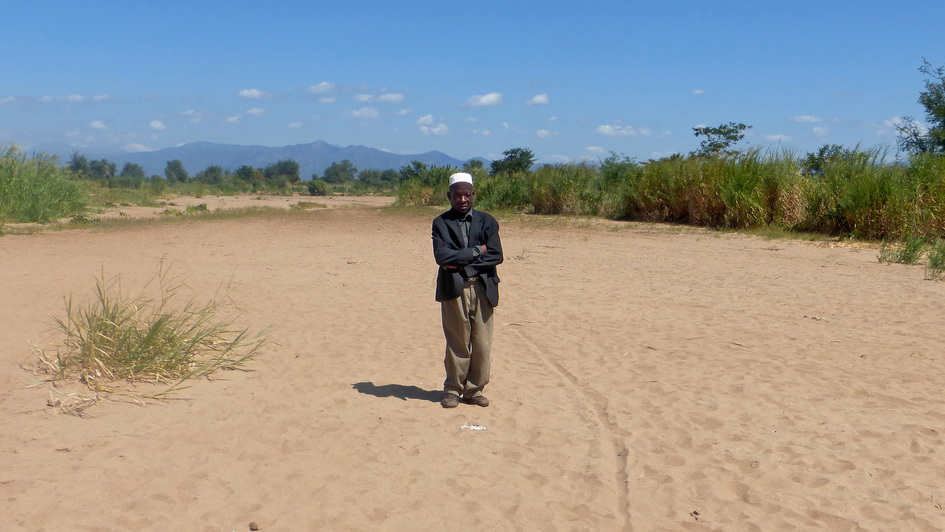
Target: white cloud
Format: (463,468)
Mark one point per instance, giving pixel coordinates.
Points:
(616,130)
(364,98)
(137,146)
(595,149)
(74,98)
(232,119)
(778,138)
(45,99)
(365,112)
(295,125)
(698,91)
(405,111)
(101,98)
(552,118)
(439,131)
(485,100)
(98,124)
(821,131)
(391,98)
(157,125)
(426,122)
(256,111)
(322,87)
(328,99)
(543,133)
(253,93)
(196,117)
(8,99)
(805,118)
(540,99)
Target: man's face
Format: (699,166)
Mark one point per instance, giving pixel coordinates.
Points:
(461,197)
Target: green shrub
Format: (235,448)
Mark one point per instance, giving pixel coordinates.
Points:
(37,189)
(319,187)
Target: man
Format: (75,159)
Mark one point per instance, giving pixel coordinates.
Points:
(466,246)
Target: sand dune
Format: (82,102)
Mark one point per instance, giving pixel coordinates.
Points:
(644,378)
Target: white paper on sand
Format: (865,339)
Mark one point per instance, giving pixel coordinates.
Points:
(467,426)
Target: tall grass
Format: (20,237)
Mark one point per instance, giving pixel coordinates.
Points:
(854,193)
(36,189)
(117,340)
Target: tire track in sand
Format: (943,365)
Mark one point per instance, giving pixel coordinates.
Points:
(596,404)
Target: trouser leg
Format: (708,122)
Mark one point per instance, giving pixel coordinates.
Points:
(480,338)
(467,325)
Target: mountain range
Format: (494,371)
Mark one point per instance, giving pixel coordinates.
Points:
(197,156)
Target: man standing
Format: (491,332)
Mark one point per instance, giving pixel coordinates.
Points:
(466,246)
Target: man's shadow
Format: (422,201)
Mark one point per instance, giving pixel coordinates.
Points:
(399,391)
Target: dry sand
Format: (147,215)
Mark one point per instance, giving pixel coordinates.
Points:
(644,378)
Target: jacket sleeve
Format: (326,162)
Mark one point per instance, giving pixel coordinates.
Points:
(446,251)
(493,256)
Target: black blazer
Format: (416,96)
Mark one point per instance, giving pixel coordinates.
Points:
(448,250)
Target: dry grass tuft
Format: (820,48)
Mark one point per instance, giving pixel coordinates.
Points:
(116,342)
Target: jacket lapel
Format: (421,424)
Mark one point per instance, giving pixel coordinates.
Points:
(475,228)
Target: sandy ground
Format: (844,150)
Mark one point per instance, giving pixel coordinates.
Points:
(644,378)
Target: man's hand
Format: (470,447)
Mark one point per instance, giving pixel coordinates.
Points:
(483,248)
(450,267)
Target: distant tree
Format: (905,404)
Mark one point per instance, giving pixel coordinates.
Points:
(829,154)
(132,170)
(287,170)
(472,165)
(339,173)
(213,175)
(175,173)
(414,170)
(912,137)
(102,170)
(516,160)
(79,164)
(617,167)
(245,173)
(719,140)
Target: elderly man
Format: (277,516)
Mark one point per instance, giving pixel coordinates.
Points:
(467,248)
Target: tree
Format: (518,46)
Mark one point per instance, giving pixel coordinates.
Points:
(415,170)
(174,171)
(719,139)
(102,170)
(287,170)
(342,172)
(212,175)
(913,138)
(516,160)
(79,164)
(831,154)
(379,178)
(472,165)
(132,170)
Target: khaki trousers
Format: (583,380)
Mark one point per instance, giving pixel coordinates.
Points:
(467,325)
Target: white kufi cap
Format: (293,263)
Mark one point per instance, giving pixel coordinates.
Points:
(460,177)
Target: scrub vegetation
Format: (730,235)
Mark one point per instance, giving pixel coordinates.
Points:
(116,341)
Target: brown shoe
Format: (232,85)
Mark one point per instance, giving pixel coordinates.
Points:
(450,400)
(478,400)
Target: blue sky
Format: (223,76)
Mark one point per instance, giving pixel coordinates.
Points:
(568,80)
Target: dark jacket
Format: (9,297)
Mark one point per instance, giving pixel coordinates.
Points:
(448,250)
